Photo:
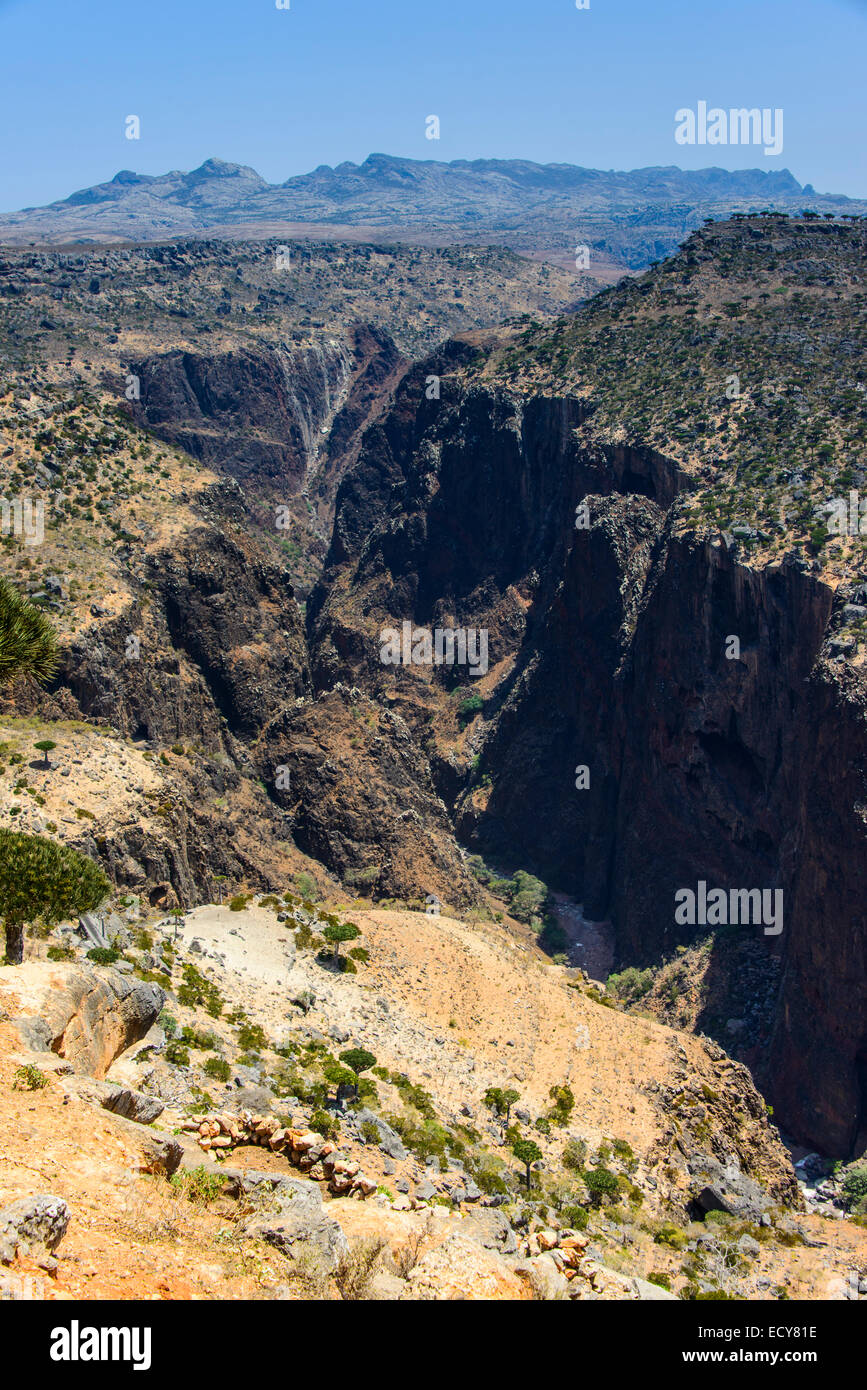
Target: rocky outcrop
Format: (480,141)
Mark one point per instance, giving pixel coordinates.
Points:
(85,1016)
(287,1212)
(218,649)
(32,1226)
(152,1150)
(275,418)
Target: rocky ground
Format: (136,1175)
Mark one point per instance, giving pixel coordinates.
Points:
(183,1122)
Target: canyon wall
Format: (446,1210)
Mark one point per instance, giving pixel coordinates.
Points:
(611,648)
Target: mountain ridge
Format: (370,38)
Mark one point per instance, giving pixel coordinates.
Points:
(628,217)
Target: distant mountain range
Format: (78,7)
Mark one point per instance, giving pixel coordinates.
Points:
(628,218)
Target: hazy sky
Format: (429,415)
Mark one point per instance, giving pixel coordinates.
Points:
(328,80)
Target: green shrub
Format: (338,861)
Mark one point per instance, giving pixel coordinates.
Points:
(854,1188)
(58,953)
(29,1078)
(205,1042)
(176,1053)
(575,1217)
(575,1155)
(469,708)
(199,1185)
(238,903)
(631,984)
(601,1183)
(324,1123)
(528,898)
(564,1104)
(218,1068)
(103,955)
(251,1036)
(306,885)
(197,992)
(672,1236)
(623,1151)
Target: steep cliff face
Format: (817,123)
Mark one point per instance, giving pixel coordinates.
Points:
(611,650)
(211,648)
(252,413)
(208,650)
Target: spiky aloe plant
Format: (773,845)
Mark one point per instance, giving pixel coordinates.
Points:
(28,645)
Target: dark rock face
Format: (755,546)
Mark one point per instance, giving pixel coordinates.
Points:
(253,414)
(133,1105)
(721,1187)
(219,650)
(261,416)
(705,762)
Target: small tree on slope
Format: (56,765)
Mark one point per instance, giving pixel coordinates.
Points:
(527,1152)
(340,931)
(40,879)
(358,1059)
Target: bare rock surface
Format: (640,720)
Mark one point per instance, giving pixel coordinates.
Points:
(86,1016)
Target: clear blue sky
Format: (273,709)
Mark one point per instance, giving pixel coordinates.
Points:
(328,80)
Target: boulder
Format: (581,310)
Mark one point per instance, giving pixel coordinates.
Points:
(546,1282)
(459,1268)
(389,1141)
(492,1229)
(32,1226)
(90,928)
(156,1151)
(718,1187)
(287,1213)
(86,1017)
(133,1105)
(120,1100)
(636,1288)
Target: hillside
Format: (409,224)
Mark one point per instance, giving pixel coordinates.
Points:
(588,495)
(264,369)
(444,1195)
